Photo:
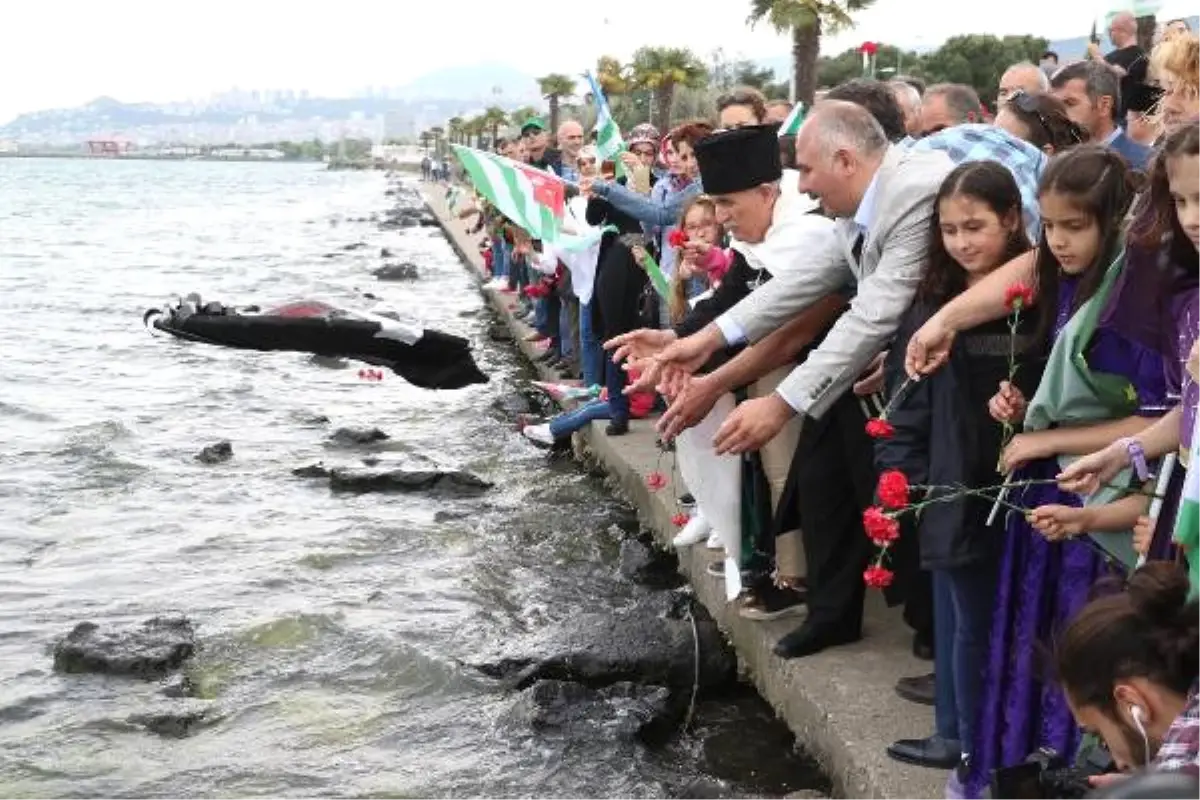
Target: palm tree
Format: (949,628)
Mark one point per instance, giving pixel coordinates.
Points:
(806,20)
(522,115)
(553,87)
(455,125)
(494,117)
(662,70)
(476,127)
(612,76)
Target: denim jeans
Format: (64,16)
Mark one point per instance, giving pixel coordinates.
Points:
(591,356)
(565,424)
(962,612)
(499,258)
(567,344)
(614,381)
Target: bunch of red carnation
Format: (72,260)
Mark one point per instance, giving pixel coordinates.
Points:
(677,237)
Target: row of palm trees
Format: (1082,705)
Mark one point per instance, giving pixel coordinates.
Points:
(660,71)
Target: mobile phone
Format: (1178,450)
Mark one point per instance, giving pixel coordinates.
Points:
(608,167)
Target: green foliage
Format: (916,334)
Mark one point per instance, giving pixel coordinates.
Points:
(980,60)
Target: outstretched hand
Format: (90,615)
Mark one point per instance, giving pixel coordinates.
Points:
(752,424)
(1087,474)
(688,407)
(638,345)
(928,349)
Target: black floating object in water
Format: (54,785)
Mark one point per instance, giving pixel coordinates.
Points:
(426,358)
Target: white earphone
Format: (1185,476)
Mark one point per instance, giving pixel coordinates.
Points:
(1137,713)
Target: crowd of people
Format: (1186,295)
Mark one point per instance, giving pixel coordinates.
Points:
(922,345)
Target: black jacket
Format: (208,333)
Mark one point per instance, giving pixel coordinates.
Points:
(945,436)
(619,280)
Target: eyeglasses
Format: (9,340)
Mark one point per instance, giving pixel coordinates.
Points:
(1028,104)
(586,162)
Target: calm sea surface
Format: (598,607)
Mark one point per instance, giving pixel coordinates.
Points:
(332,627)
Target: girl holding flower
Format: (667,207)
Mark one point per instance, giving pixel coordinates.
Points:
(938,432)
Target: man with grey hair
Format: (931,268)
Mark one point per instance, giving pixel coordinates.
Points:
(1092,96)
(882,197)
(570,141)
(1128,59)
(948,104)
(1023,77)
(909,100)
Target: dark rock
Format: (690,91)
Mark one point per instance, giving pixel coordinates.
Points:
(428,221)
(317,470)
(500,333)
(313,419)
(449,516)
(352,436)
(644,564)
(375,595)
(623,710)
(151,650)
(397,272)
(514,403)
(452,482)
(354,245)
(385,253)
(333,255)
(639,646)
(179,686)
(174,724)
(215,453)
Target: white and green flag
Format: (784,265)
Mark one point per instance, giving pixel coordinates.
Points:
(609,143)
(791,125)
(1187,524)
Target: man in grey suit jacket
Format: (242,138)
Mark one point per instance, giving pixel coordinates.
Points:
(883,199)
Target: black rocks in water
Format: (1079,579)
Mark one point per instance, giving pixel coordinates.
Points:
(215,453)
(645,564)
(174,724)
(385,253)
(623,710)
(352,436)
(317,470)
(178,686)
(354,246)
(147,651)
(397,272)
(638,646)
(452,482)
(500,333)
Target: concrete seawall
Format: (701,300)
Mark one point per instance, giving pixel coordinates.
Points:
(839,703)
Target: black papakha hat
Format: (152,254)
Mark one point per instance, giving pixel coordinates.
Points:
(739,159)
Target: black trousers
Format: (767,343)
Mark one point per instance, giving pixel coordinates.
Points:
(832,480)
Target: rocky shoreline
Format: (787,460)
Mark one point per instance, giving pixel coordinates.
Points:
(840,703)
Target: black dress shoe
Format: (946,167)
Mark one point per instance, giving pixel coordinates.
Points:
(917,690)
(617,427)
(934,752)
(809,639)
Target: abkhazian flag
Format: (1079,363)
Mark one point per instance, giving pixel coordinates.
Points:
(528,197)
(609,143)
(1187,523)
(791,125)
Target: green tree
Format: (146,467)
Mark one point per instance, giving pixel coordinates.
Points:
(846,65)
(455,125)
(663,69)
(554,87)
(475,126)
(979,60)
(613,77)
(806,21)
(521,115)
(494,117)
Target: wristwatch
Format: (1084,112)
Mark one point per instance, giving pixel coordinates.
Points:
(1137,457)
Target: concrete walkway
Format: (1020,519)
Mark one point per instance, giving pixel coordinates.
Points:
(840,703)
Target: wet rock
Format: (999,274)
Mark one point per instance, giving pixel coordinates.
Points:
(451,482)
(500,333)
(449,516)
(514,403)
(639,646)
(314,419)
(174,724)
(644,564)
(397,272)
(354,245)
(623,710)
(428,221)
(356,435)
(178,686)
(215,453)
(317,470)
(333,255)
(385,253)
(150,650)
(375,596)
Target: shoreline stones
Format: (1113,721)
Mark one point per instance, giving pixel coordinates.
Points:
(216,453)
(453,482)
(405,271)
(148,651)
(349,436)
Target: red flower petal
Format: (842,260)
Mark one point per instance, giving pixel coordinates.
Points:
(880,528)
(1018,296)
(880,428)
(656,480)
(681,519)
(878,577)
(893,489)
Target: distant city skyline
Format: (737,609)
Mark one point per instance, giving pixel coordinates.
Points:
(68,53)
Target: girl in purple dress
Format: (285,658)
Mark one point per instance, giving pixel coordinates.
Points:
(1084,196)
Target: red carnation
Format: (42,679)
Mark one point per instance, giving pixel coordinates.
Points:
(893,489)
(878,577)
(881,529)
(870,48)
(677,238)
(880,428)
(1018,296)
(656,480)
(680,519)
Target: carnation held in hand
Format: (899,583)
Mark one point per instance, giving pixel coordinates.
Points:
(893,489)
(881,528)
(677,238)
(1018,296)
(880,428)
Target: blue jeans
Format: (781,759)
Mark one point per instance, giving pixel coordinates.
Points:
(565,424)
(614,381)
(592,357)
(962,616)
(499,258)
(566,343)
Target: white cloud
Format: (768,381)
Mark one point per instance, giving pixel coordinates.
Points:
(66,53)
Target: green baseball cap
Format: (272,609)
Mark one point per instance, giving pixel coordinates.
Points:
(533,123)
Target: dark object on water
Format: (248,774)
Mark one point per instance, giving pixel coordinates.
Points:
(215,453)
(451,482)
(397,272)
(151,650)
(351,436)
(425,358)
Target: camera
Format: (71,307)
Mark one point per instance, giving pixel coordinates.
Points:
(1045,773)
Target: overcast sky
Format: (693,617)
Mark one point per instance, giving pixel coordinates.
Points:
(58,54)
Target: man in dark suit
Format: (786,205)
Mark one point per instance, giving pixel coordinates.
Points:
(1091,92)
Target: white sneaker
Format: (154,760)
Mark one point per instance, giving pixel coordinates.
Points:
(539,434)
(714,541)
(694,532)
